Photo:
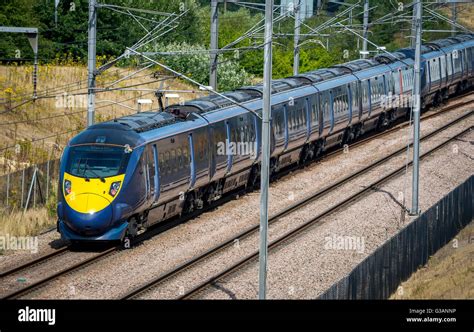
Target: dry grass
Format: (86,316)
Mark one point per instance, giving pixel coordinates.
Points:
(33,222)
(449,274)
(465,14)
(54,82)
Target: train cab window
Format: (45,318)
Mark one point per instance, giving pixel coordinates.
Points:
(96,161)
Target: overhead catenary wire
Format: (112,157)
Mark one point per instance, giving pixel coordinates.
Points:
(34,140)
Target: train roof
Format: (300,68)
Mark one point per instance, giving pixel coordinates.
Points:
(322,74)
(211,102)
(139,122)
(241,95)
(386,58)
(447,42)
(410,52)
(463,38)
(357,65)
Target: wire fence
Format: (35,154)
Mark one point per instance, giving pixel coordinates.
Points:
(29,188)
(380,274)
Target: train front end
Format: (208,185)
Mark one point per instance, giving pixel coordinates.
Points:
(93,202)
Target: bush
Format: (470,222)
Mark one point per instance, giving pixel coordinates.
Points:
(193,61)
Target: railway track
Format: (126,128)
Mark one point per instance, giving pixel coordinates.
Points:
(96,258)
(194,292)
(167,276)
(113,250)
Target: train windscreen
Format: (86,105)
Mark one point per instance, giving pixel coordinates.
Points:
(97,161)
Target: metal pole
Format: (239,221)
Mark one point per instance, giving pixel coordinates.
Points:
(416,111)
(265,171)
(214,46)
(296,55)
(454,13)
(34,187)
(22,187)
(47,180)
(33,179)
(91,53)
(366,29)
(8,187)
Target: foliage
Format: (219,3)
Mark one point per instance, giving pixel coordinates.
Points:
(66,41)
(69,36)
(193,61)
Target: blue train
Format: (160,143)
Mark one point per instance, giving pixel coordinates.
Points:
(119,177)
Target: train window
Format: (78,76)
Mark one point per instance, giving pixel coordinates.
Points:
(186,158)
(365,89)
(295,119)
(276,126)
(355,97)
(166,162)
(325,107)
(314,111)
(179,157)
(151,162)
(302,116)
(449,64)
(173,161)
(291,117)
(202,149)
(396,82)
(443,67)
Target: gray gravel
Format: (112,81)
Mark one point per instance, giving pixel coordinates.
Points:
(306,265)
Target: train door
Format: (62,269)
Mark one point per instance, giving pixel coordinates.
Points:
(192,163)
(331,108)
(307,108)
(229,139)
(156,176)
(150,175)
(349,102)
(428,76)
(285,120)
(369,94)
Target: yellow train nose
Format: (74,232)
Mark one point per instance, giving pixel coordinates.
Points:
(89,195)
(87,202)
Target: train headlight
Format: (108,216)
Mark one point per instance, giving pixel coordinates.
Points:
(67,187)
(114,188)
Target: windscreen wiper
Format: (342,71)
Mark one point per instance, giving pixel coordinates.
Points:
(87,167)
